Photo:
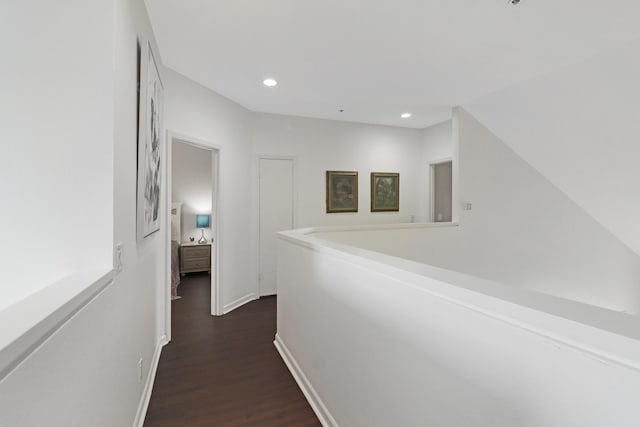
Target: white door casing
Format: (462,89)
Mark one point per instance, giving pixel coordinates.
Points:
(441,191)
(216,292)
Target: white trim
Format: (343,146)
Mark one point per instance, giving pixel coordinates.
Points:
(148,386)
(441,160)
(294,202)
(432,181)
(239,302)
(27,324)
(366,227)
(216,289)
(318,406)
(456,191)
(167,234)
(196,142)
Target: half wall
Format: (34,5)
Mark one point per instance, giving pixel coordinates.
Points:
(378,340)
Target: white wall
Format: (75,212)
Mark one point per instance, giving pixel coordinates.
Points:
(521,231)
(321,145)
(196,112)
(580,126)
(56,117)
(375,341)
(437,146)
(191,174)
(438,143)
(86,373)
(318,145)
(549,242)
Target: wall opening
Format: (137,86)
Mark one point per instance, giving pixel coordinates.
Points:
(441,191)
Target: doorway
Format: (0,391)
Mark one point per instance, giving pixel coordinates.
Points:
(276,212)
(441,190)
(192,237)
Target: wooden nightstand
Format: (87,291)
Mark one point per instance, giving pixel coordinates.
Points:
(195,257)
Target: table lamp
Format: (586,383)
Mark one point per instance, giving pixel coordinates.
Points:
(202,221)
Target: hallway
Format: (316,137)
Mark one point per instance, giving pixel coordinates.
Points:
(224,371)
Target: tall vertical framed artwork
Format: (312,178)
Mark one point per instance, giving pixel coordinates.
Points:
(342,191)
(150,143)
(385,192)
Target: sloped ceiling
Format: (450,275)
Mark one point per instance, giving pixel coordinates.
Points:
(378,59)
(580,127)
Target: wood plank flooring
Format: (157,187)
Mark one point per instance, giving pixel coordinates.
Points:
(224,371)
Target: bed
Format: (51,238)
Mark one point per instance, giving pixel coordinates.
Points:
(176,217)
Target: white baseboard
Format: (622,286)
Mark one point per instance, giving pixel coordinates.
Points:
(309,392)
(239,302)
(148,386)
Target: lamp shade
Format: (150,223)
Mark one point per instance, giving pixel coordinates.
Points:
(202,221)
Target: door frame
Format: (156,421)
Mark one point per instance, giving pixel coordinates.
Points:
(294,204)
(432,186)
(216,292)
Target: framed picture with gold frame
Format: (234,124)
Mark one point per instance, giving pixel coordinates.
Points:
(385,192)
(342,191)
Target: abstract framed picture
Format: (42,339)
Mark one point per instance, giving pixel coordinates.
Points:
(385,192)
(342,191)
(150,137)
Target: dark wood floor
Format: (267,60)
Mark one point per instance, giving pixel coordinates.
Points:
(224,371)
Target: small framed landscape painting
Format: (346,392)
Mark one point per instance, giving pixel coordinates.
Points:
(342,191)
(385,192)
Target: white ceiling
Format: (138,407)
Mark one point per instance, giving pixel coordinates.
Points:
(378,58)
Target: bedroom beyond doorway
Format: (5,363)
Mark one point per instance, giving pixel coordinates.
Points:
(193,177)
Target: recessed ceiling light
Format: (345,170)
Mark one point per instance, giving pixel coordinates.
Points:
(405,115)
(269,82)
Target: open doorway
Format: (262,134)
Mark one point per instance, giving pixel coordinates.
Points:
(441,174)
(192,241)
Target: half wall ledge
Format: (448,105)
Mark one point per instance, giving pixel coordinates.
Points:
(438,347)
(29,322)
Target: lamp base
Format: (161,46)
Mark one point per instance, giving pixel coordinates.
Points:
(203,239)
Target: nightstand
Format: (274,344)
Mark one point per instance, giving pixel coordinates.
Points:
(195,257)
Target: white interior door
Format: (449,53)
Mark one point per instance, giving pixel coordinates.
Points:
(276,214)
